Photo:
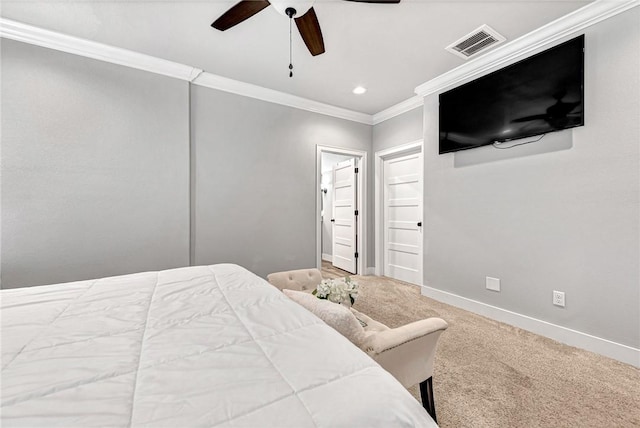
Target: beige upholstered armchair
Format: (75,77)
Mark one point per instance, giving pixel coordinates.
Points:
(407,352)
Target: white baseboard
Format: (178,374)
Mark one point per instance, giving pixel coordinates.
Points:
(371,270)
(327,257)
(617,351)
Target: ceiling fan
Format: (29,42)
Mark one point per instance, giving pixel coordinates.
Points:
(301,11)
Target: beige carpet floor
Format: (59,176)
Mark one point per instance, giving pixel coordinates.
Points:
(490,374)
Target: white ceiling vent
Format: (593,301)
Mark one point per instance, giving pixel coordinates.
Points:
(476,41)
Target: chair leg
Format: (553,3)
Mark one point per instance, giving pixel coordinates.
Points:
(426,394)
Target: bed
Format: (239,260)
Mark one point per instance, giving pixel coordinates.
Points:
(197,346)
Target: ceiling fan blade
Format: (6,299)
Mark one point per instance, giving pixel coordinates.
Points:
(310,31)
(238,13)
(377,1)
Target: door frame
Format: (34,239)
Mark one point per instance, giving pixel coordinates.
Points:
(361,247)
(379,158)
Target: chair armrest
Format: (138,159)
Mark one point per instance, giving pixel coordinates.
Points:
(384,340)
(407,352)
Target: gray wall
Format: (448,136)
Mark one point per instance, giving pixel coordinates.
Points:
(96,180)
(255,179)
(398,130)
(95,161)
(562,214)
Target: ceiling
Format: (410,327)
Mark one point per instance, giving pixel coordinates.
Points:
(390,49)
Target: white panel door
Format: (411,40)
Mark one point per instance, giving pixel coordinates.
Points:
(403,218)
(344,217)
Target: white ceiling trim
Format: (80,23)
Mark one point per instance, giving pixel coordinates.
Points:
(573,22)
(225,84)
(26,33)
(397,109)
(21,32)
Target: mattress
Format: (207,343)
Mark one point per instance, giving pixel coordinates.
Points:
(198,346)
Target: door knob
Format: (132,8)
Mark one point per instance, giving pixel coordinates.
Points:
(419,224)
(333,220)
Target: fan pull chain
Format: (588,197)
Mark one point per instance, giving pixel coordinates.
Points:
(290,54)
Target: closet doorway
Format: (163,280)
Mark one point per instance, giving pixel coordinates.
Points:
(340,209)
(398,200)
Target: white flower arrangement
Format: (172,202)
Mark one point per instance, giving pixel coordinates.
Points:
(340,290)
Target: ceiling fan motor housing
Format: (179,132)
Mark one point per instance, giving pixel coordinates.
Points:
(299,6)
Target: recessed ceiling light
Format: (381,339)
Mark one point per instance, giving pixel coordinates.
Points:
(359,90)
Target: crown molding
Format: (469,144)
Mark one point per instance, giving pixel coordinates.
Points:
(556,30)
(25,33)
(573,22)
(397,109)
(225,84)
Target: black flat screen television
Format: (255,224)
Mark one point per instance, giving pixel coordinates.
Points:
(540,94)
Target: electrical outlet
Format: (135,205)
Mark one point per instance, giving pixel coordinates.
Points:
(558,298)
(492,283)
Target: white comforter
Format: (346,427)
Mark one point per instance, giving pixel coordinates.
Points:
(200,346)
